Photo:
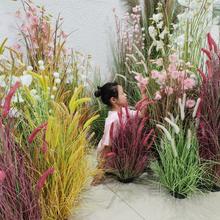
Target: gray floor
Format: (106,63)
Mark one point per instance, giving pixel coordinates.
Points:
(144,200)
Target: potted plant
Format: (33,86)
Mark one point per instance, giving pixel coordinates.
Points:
(178,167)
(208,131)
(130,148)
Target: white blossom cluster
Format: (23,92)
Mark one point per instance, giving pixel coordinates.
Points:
(196,13)
(158,30)
(131,31)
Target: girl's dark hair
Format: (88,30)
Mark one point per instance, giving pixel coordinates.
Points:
(107,91)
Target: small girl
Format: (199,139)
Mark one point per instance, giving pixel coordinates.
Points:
(113,96)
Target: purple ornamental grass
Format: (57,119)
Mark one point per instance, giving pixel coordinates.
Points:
(209,108)
(18,200)
(129,152)
(19,193)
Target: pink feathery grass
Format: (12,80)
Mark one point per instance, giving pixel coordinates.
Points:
(207,52)
(202,74)
(41,182)
(212,44)
(130,149)
(33,135)
(2,176)
(44,147)
(7,103)
(209,110)
(18,199)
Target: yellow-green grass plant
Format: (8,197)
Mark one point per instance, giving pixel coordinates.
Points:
(34,111)
(67,142)
(70,74)
(64,147)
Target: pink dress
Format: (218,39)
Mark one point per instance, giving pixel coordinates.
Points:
(112,118)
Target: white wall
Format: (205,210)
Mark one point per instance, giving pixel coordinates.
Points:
(91,21)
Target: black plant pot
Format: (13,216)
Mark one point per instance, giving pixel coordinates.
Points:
(215,188)
(128,180)
(178,195)
(122,180)
(149,171)
(203,186)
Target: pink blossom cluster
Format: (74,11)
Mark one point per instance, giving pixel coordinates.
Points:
(173,79)
(36,28)
(131,32)
(141,81)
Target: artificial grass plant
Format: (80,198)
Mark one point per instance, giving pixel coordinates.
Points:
(209,110)
(130,150)
(178,167)
(19,197)
(65,141)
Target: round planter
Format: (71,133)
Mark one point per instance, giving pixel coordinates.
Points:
(203,186)
(215,188)
(178,195)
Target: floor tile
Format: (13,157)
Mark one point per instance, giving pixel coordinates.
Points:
(154,203)
(99,203)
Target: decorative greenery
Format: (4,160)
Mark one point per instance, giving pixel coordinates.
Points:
(179,168)
(50,112)
(66,139)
